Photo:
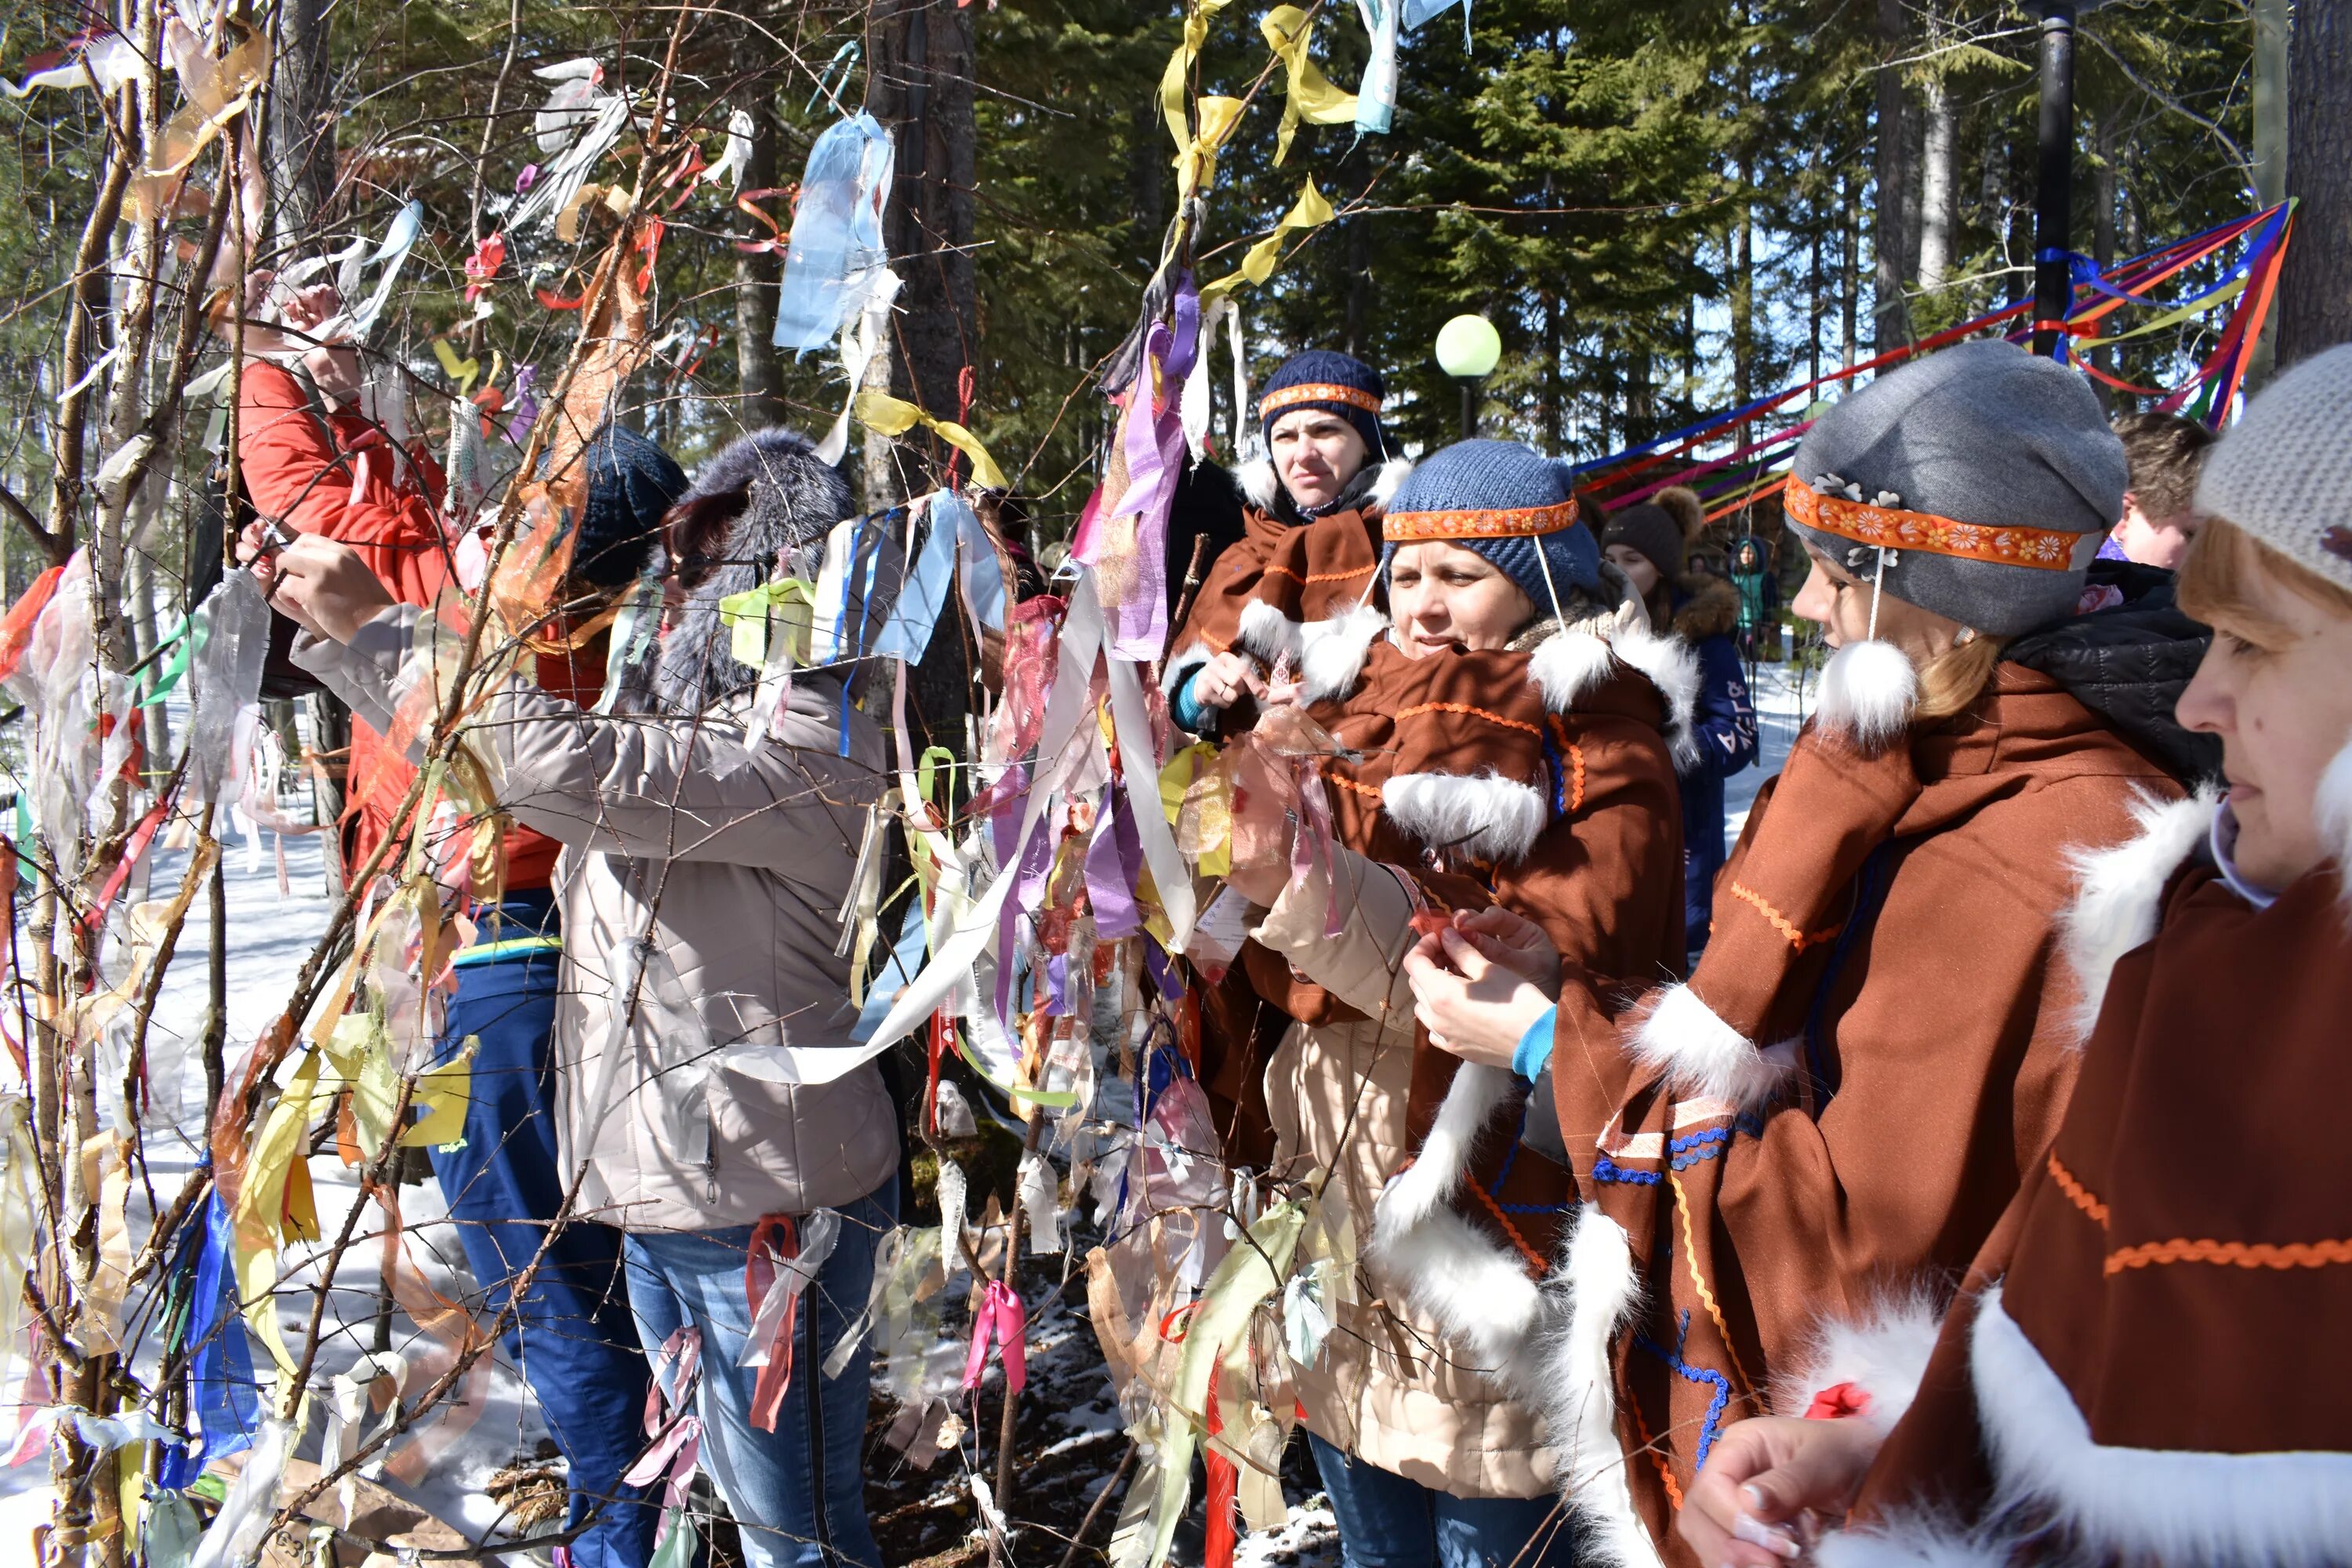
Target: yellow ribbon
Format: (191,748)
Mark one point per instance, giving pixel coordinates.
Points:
(1310,211)
(461,371)
(1172,81)
(887,416)
(2169,319)
(1307,93)
(788,602)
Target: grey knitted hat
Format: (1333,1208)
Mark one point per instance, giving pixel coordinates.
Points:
(2012,449)
(2284,472)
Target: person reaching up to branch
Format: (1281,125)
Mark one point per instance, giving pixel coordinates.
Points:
(700,875)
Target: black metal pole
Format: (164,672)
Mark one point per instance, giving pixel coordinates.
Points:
(1469,405)
(2053,195)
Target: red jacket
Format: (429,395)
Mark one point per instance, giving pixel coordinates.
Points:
(337,476)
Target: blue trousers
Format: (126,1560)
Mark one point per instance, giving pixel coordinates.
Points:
(573,1338)
(797,1493)
(1388,1521)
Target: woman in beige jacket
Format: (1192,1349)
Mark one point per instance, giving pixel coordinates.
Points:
(700,882)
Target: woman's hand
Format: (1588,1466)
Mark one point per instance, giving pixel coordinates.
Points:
(334,364)
(1225,680)
(1472,1006)
(1515,942)
(1769,1486)
(319,585)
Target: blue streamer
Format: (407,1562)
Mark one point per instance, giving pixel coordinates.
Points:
(223,1397)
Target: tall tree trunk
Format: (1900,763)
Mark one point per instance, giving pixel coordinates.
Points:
(1360,286)
(2273,28)
(1938,211)
(1817,306)
(919,84)
(2316,292)
(1849,274)
(301,118)
(2102,222)
(1743,297)
(758,368)
(1548,412)
(1890,322)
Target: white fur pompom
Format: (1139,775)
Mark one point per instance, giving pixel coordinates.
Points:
(1868,692)
(1484,817)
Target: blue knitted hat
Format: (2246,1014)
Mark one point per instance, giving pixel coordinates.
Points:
(1325,379)
(631,483)
(1511,506)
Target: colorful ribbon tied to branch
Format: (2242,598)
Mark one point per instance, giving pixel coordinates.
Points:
(1002,1319)
(887,416)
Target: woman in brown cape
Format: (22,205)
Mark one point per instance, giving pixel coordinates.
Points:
(2147,1364)
(1310,551)
(1874,1050)
(1511,738)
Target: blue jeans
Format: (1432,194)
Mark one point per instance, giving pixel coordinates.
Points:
(1388,1521)
(798,1493)
(573,1338)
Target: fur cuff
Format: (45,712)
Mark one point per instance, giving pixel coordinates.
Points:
(1701,1057)
(1485,816)
(1474,1290)
(1179,666)
(1869,692)
(1912,1542)
(2154,1505)
(1429,1184)
(1268,633)
(1332,652)
(2121,891)
(1883,1353)
(1577,1392)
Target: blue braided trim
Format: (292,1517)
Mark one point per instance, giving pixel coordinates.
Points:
(1561,1208)
(1711,1144)
(1605,1168)
(1712,1426)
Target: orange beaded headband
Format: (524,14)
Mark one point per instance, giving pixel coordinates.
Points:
(1275,402)
(1892,528)
(1509,522)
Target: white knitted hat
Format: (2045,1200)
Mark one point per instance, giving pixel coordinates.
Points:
(2284,472)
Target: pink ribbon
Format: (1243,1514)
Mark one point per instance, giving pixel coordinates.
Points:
(1003,1317)
(774,1242)
(675,1430)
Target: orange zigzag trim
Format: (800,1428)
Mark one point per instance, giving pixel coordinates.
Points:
(2241,1254)
(1475,712)
(1797,938)
(1274,570)
(1332,776)
(2073,1189)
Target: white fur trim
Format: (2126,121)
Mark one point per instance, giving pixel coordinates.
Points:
(1425,1188)
(1179,666)
(2156,1505)
(1869,692)
(1883,1352)
(1672,668)
(1331,653)
(1912,1542)
(1386,482)
(1268,633)
(1704,1057)
(1578,1394)
(1567,666)
(2333,811)
(1259,483)
(1476,1291)
(1484,816)
(2120,890)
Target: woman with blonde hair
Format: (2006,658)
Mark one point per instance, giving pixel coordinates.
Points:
(1877,1046)
(2132,1372)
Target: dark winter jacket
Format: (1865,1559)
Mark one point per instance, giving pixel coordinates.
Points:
(1705,615)
(2129,664)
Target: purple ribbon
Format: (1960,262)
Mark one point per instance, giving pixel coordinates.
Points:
(1154,436)
(1114,872)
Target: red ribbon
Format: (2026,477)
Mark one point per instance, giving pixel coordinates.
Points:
(1003,1317)
(1223,1488)
(774,1241)
(1838,1401)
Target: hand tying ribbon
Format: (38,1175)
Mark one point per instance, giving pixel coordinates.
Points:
(1003,1317)
(675,1430)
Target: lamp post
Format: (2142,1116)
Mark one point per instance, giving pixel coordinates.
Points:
(1468,350)
(2053,194)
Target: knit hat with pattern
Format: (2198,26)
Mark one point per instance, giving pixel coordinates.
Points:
(2284,472)
(1986,475)
(1336,383)
(1503,502)
(631,483)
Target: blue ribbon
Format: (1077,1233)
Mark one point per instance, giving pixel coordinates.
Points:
(223,1397)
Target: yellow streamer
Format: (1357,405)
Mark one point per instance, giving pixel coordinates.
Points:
(1172,81)
(1308,94)
(2169,319)
(461,371)
(887,416)
(1310,211)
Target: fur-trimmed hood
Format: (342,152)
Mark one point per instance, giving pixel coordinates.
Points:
(1710,609)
